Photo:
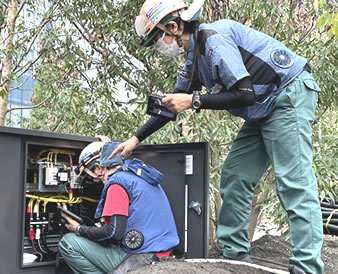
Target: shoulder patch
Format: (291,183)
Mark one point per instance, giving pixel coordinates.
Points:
(281,58)
(203,36)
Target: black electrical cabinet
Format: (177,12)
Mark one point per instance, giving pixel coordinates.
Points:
(37,172)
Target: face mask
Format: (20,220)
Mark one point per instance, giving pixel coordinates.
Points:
(170,50)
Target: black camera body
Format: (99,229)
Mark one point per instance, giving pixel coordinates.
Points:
(155,107)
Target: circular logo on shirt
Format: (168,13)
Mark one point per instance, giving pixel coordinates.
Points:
(281,58)
(134,239)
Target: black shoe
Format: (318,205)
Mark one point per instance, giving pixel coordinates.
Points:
(242,257)
(293,269)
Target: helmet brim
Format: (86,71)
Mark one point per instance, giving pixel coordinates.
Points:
(149,40)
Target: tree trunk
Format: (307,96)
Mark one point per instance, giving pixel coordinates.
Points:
(256,211)
(215,160)
(7,61)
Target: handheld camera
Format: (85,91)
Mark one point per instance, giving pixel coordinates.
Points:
(70,214)
(155,107)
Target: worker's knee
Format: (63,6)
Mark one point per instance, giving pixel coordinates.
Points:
(67,242)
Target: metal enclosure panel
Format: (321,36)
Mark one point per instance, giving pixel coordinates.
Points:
(169,159)
(197,185)
(10,200)
(171,164)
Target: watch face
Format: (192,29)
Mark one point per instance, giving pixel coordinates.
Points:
(196,103)
(134,239)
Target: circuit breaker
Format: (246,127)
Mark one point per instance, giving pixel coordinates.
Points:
(51,181)
(37,176)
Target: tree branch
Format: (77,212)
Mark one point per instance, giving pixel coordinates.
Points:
(320,116)
(28,107)
(42,24)
(89,42)
(30,64)
(21,85)
(20,9)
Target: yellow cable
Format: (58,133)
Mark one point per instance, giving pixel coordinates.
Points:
(30,204)
(54,200)
(40,153)
(48,156)
(35,179)
(329,218)
(90,199)
(37,208)
(58,196)
(58,199)
(45,206)
(70,158)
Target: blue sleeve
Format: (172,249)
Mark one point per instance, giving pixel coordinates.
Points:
(226,61)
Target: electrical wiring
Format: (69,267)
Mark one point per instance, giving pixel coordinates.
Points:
(89,199)
(61,199)
(37,208)
(43,251)
(52,155)
(39,255)
(44,242)
(52,172)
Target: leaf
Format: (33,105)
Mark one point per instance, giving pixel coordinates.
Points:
(316,5)
(322,20)
(322,3)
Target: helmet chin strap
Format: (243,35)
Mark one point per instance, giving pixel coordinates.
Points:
(178,35)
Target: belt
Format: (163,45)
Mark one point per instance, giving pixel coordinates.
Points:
(308,68)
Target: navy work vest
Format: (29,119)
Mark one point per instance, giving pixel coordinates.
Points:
(149,208)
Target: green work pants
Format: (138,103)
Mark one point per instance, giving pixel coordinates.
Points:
(283,139)
(85,256)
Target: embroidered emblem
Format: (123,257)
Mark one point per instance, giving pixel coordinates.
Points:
(281,58)
(209,57)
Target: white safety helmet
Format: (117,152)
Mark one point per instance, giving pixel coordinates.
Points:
(156,14)
(89,156)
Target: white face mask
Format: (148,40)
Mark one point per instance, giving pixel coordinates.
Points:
(170,50)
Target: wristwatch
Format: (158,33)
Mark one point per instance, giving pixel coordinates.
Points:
(77,232)
(196,102)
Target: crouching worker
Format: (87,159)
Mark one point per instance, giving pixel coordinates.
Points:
(139,225)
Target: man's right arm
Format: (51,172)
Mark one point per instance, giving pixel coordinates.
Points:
(111,233)
(152,125)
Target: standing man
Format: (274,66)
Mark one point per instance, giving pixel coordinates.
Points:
(139,225)
(255,77)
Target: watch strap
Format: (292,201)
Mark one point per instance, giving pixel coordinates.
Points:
(77,232)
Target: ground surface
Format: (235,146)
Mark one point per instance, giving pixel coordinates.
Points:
(269,251)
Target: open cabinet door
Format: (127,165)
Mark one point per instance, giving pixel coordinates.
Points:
(25,173)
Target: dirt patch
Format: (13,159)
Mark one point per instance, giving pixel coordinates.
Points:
(269,251)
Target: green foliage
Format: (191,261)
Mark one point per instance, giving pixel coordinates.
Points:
(325,154)
(93,77)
